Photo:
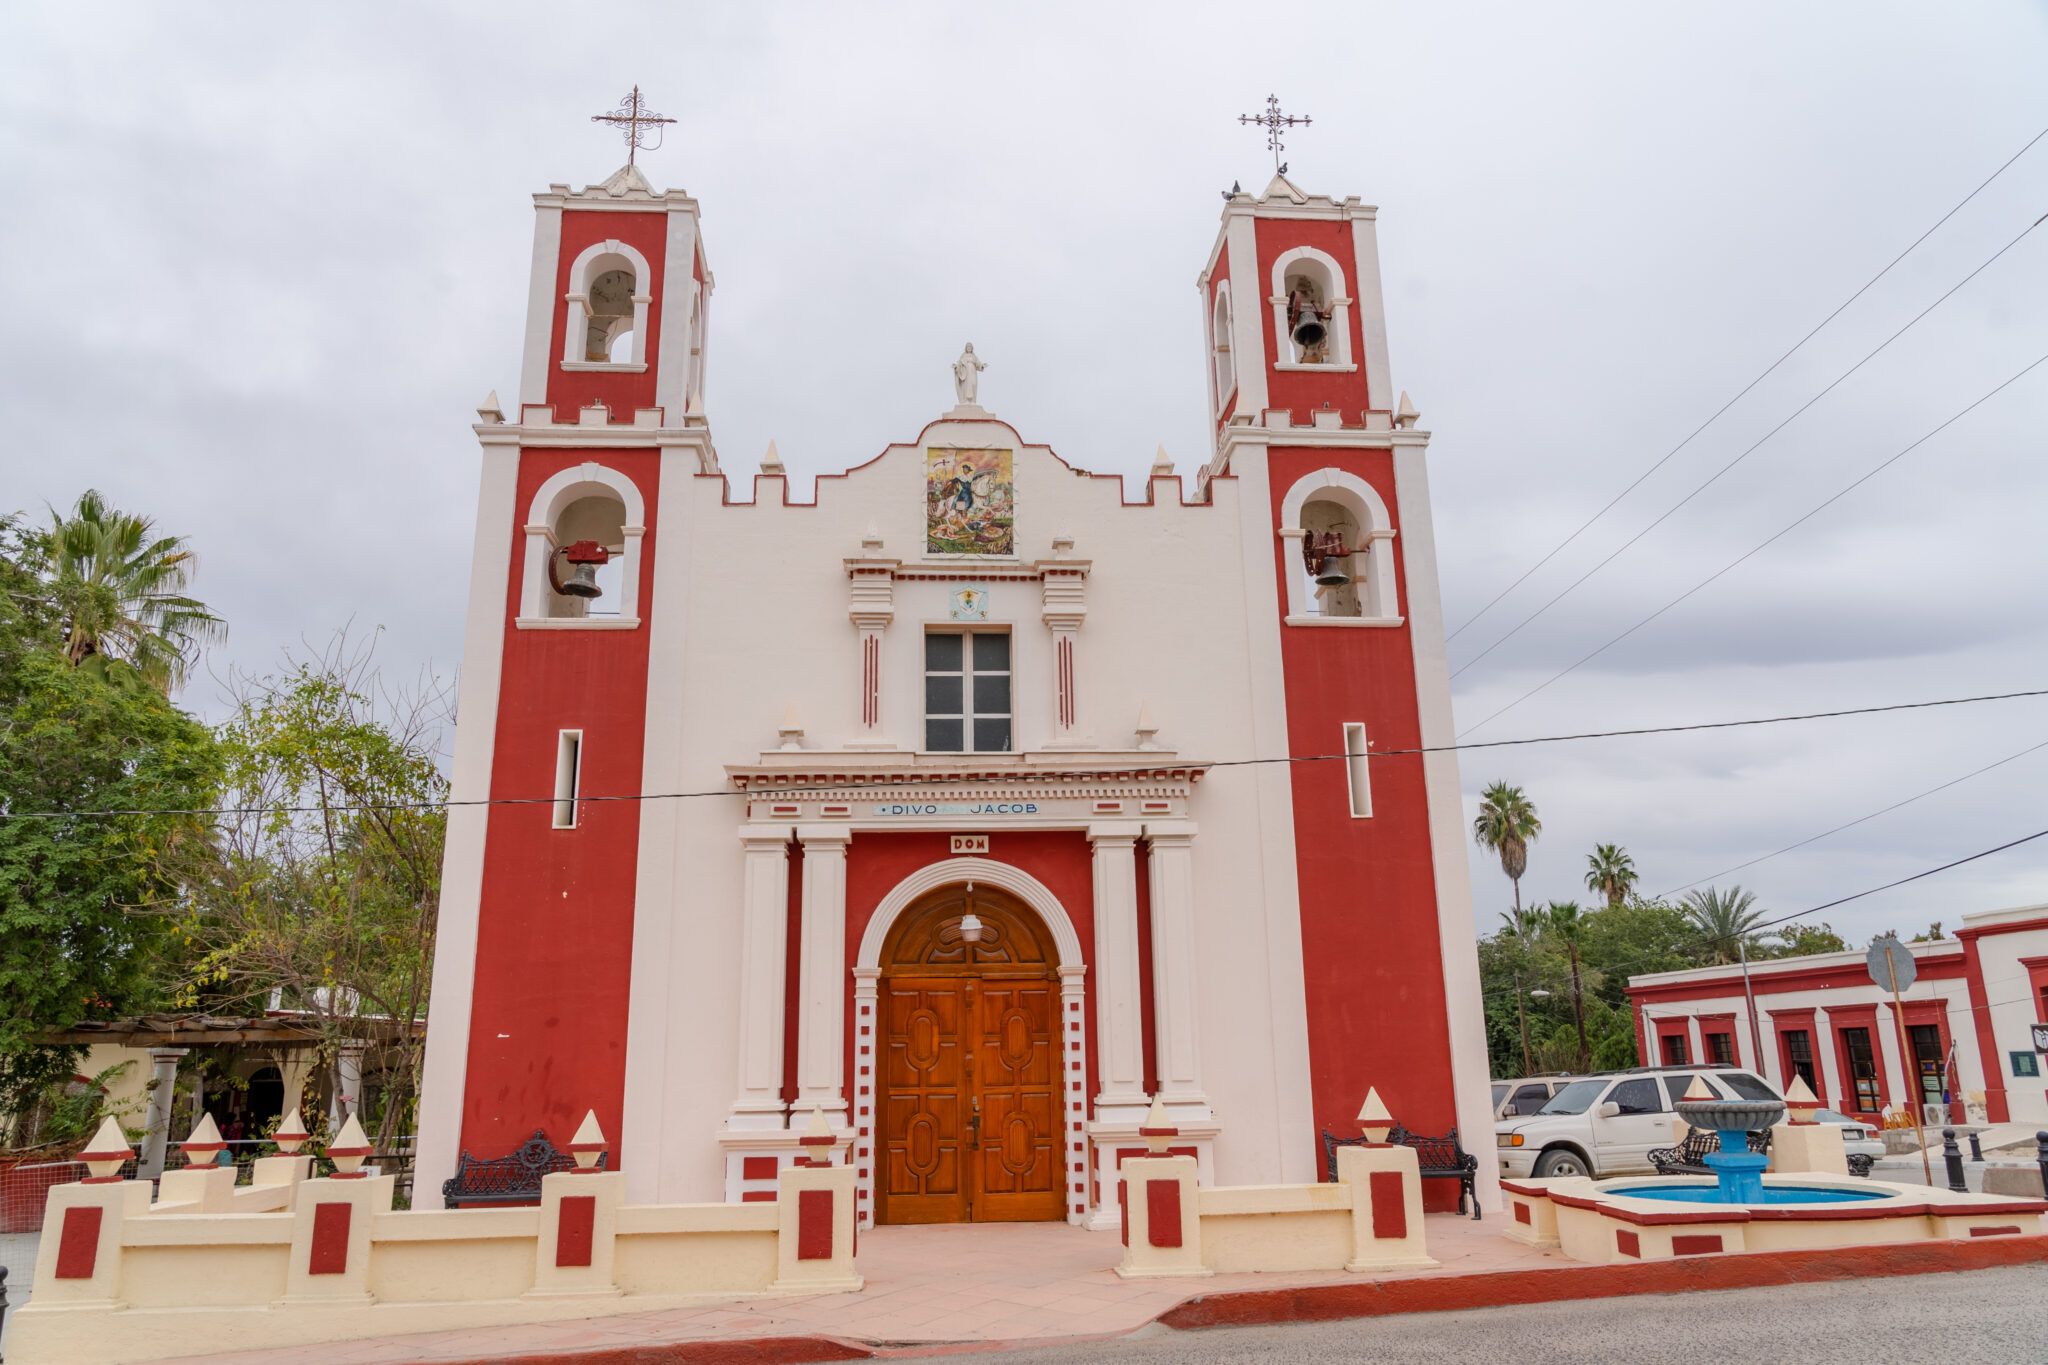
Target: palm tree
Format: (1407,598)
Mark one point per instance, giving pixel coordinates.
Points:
(1610,872)
(1563,919)
(1523,924)
(1725,919)
(121,593)
(1506,823)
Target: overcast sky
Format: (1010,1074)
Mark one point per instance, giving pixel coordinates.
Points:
(258,265)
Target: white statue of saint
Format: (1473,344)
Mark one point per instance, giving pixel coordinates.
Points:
(967,375)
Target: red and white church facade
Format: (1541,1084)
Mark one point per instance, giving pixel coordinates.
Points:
(970,802)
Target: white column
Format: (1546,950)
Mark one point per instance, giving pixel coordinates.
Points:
(764,918)
(821,979)
(866,1085)
(348,1082)
(1119,1025)
(163,1088)
(1176,1031)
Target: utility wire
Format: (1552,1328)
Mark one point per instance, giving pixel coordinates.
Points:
(1746,388)
(1773,538)
(1713,478)
(1896,805)
(1750,929)
(942,779)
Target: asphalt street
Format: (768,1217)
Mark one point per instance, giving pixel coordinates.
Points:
(1986,1317)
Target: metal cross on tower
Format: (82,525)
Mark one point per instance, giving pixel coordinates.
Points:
(1273,121)
(634,119)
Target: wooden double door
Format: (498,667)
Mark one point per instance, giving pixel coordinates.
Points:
(970,1082)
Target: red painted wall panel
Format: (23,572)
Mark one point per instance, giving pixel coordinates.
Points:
(78,1245)
(1372,956)
(1299,392)
(1162,1213)
(572,389)
(814,1225)
(328,1254)
(1389,1205)
(575,1229)
(555,934)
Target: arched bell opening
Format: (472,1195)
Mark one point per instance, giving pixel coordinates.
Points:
(971,1081)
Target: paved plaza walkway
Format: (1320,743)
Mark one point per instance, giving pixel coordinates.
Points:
(927,1287)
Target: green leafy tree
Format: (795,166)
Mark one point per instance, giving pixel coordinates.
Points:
(72,744)
(1610,873)
(322,878)
(1726,921)
(1803,940)
(1564,919)
(1506,823)
(119,590)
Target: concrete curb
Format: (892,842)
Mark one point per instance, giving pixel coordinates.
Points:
(1371,1298)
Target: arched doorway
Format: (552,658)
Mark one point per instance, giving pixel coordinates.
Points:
(971,1085)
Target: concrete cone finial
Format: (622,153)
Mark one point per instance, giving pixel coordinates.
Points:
(107,1150)
(489,410)
(817,1139)
(792,729)
(771,463)
(1162,466)
(1157,1129)
(348,1149)
(291,1133)
(1148,726)
(1373,1118)
(204,1146)
(1800,1101)
(1698,1089)
(1405,415)
(588,1144)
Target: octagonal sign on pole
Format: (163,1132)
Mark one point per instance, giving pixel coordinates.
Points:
(1889,958)
(1893,969)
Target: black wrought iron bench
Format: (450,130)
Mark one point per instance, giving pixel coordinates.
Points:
(1440,1158)
(510,1179)
(1690,1156)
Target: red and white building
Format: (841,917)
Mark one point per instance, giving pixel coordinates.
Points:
(754,804)
(1968,1020)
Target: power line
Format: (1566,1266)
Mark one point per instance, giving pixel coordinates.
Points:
(1746,453)
(1772,539)
(1746,388)
(942,779)
(1715,876)
(1749,929)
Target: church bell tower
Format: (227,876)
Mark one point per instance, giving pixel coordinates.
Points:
(1334,491)
(575,618)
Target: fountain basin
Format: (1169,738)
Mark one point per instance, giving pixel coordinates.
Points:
(1639,1218)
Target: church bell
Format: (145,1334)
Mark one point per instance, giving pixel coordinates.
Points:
(585,556)
(1308,328)
(1333,574)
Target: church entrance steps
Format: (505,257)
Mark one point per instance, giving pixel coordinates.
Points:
(934,1289)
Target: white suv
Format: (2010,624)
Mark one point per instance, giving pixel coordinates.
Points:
(1606,1125)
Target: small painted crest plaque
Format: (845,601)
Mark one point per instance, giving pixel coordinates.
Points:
(969,604)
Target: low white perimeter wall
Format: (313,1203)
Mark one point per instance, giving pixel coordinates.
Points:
(118,1281)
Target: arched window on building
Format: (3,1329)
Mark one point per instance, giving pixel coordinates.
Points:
(1311,311)
(608,299)
(1338,509)
(582,506)
(1219,347)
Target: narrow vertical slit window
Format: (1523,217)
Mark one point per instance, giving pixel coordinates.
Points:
(568,777)
(1357,770)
